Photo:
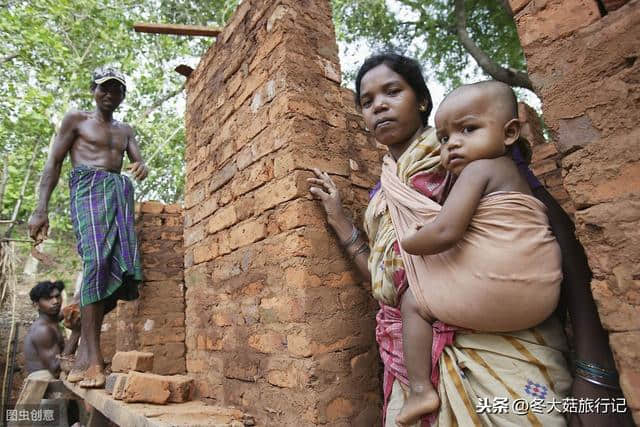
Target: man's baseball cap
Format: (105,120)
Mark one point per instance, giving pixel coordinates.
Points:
(102,75)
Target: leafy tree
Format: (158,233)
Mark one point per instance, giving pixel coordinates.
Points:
(49,49)
(446,34)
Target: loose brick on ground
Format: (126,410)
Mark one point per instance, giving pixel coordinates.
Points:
(148,388)
(125,361)
(180,388)
(119,386)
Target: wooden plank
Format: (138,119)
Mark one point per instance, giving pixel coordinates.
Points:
(194,413)
(180,30)
(32,392)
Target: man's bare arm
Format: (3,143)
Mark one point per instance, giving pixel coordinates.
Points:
(454,218)
(47,348)
(39,222)
(138,168)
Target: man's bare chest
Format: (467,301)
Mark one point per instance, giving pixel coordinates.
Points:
(103,136)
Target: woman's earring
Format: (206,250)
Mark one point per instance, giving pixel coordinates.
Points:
(422,108)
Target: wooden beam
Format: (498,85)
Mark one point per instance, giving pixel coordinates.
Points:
(180,30)
(185,414)
(183,69)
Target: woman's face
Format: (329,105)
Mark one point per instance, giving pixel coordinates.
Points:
(389,106)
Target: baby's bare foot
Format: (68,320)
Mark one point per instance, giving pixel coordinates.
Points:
(417,405)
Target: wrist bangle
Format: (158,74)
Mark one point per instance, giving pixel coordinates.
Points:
(598,383)
(596,374)
(363,247)
(351,240)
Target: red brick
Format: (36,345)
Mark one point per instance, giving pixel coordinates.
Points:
(223,218)
(299,344)
(544,166)
(247,232)
(339,408)
(275,192)
(180,388)
(252,177)
(151,207)
(119,387)
(174,208)
(301,278)
(205,209)
(518,5)
(267,342)
(630,384)
(194,196)
(222,176)
(612,5)
(193,234)
(284,309)
(250,84)
(557,19)
(111,381)
(544,151)
(147,388)
(125,361)
(284,164)
(205,252)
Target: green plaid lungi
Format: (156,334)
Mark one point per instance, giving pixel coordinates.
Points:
(102,213)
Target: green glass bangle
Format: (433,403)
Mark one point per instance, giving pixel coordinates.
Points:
(352,239)
(595,369)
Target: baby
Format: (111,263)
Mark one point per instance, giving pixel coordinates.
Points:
(489,261)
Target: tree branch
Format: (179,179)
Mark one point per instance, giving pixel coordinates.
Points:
(16,207)
(158,103)
(4,179)
(507,75)
(9,57)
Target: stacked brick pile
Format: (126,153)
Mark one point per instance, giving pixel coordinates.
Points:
(585,69)
(155,322)
(132,382)
(277,322)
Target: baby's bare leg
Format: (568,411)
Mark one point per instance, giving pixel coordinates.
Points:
(417,337)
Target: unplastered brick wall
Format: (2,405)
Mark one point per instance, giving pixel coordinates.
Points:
(278,322)
(584,67)
(155,321)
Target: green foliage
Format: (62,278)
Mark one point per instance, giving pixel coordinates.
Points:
(50,48)
(425,29)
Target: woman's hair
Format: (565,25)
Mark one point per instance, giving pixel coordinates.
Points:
(43,290)
(408,68)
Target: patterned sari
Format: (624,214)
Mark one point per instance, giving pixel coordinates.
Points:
(470,370)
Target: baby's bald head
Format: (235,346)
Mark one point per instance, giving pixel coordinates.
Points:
(479,119)
(500,95)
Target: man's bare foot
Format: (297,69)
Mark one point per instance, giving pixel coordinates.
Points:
(81,364)
(75,375)
(417,405)
(93,377)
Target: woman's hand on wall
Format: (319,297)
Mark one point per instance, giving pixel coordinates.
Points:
(323,188)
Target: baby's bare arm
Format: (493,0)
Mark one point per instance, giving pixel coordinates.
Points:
(454,218)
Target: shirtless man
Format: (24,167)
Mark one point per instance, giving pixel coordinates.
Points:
(44,341)
(101,211)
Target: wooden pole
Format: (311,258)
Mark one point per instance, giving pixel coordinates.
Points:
(180,30)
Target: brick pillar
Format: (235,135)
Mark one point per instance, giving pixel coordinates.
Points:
(585,69)
(155,321)
(277,321)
